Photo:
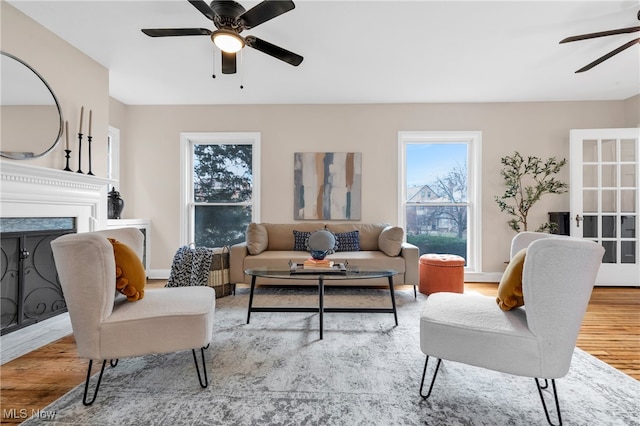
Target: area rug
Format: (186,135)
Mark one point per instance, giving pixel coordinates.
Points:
(366,371)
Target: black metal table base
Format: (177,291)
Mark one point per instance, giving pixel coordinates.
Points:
(320,308)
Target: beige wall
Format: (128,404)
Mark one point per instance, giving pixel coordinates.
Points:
(75,78)
(150,171)
(632,111)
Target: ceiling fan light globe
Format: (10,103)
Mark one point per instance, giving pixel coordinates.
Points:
(227,41)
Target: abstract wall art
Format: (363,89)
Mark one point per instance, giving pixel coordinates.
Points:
(328,185)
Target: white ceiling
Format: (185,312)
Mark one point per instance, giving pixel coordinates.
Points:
(359,51)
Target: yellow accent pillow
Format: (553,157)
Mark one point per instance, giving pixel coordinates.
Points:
(510,288)
(130,275)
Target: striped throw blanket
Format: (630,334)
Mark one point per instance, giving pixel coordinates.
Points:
(190,267)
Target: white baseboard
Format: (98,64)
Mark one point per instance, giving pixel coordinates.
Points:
(158,274)
(482,277)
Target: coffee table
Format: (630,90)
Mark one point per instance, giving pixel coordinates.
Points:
(352,273)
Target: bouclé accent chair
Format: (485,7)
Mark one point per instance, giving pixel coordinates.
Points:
(536,340)
(108,327)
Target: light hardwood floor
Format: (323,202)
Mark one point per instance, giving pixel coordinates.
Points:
(610,332)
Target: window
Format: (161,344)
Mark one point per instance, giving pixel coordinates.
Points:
(113,154)
(220,187)
(439,192)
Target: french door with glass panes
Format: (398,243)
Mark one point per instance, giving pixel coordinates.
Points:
(605,199)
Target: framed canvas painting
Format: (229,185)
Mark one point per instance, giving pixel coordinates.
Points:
(327,185)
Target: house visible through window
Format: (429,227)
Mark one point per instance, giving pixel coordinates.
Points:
(439,191)
(221,189)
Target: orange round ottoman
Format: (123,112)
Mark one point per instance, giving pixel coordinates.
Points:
(441,272)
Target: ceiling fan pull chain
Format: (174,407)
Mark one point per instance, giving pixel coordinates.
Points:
(214,63)
(241,70)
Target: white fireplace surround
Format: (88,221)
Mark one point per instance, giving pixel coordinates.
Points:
(30,191)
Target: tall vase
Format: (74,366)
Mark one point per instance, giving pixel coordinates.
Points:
(115,205)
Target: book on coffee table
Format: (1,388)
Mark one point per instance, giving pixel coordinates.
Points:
(312,263)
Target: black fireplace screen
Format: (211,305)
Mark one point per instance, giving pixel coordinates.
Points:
(29,285)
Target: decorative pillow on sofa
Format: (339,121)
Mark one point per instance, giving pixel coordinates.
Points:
(510,287)
(257,238)
(130,275)
(300,240)
(348,241)
(390,240)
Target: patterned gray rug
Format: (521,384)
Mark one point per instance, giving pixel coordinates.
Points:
(366,371)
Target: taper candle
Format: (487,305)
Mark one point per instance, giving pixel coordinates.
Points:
(81,113)
(90,114)
(66,131)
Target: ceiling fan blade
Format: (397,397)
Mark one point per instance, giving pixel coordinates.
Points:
(262,12)
(608,55)
(600,34)
(171,32)
(204,8)
(273,50)
(228,63)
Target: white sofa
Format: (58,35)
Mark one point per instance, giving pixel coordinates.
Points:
(271,244)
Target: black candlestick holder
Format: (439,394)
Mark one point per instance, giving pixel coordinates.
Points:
(67,154)
(79,153)
(89,141)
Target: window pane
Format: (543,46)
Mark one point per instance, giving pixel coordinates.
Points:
(628,227)
(610,255)
(608,226)
(609,150)
(589,151)
(590,224)
(217,226)
(222,173)
(628,252)
(437,172)
(590,176)
(628,149)
(438,229)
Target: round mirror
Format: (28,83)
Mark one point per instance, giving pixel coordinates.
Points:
(29,111)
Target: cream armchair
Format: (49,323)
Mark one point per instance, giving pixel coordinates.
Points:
(108,327)
(536,340)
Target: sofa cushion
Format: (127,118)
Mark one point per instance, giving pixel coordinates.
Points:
(348,241)
(257,238)
(281,234)
(368,233)
(300,240)
(390,240)
(359,259)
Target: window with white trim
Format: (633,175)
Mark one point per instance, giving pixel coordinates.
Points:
(220,187)
(439,189)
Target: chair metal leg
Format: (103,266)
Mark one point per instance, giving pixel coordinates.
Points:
(555,396)
(113,363)
(204,367)
(86,383)
(433,380)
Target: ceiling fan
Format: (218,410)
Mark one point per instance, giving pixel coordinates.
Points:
(604,34)
(230,19)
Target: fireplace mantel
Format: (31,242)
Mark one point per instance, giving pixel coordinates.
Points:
(31,191)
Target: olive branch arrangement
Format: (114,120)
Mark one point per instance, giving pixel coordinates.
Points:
(527,180)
